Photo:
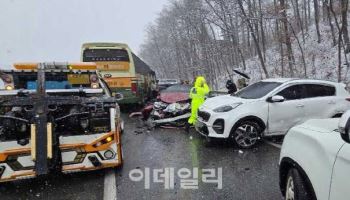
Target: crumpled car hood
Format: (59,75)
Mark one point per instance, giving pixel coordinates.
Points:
(173,97)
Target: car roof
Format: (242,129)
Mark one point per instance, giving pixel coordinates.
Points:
(296,80)
(279,80)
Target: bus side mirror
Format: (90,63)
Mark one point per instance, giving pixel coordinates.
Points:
(344,126)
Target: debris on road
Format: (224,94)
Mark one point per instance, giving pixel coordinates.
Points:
(137,132)
(135,114)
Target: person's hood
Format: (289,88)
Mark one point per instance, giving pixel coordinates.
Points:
(223,100)
(200,81)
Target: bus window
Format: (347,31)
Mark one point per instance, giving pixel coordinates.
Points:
(98,55)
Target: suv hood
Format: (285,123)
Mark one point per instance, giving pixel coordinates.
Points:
(218,101)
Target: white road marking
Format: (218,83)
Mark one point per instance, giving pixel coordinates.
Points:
(110,187)
(273,144)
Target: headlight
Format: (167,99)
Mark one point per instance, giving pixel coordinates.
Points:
(226,108)
(8,87)
(94,85)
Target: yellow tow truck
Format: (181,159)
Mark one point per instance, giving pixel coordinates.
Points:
(57,118)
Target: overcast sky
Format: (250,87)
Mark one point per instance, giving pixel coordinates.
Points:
(53,30)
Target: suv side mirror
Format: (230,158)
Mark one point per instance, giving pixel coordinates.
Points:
(344,126)
(275,99)
(118,96)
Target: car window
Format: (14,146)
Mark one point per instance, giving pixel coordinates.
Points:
(292,93)
(315,90)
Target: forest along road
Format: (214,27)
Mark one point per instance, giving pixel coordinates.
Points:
(246,174)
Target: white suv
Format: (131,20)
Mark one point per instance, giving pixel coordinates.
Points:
(315,160)
(271,106)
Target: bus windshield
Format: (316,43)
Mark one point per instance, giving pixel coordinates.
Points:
(100,55)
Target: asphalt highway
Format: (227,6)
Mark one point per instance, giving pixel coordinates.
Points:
(246,174)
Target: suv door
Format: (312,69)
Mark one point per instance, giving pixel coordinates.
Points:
(341,175)
(320,101)
(284,115)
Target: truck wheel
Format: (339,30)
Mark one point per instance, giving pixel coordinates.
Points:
(296,188)
(246,134)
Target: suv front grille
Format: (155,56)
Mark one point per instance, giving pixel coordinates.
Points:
(204,115)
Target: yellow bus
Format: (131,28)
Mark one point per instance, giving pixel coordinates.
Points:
(124,72)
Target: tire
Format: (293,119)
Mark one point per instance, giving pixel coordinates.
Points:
(296,187)
(246,134)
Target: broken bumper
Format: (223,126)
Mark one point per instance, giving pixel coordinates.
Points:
(79,153)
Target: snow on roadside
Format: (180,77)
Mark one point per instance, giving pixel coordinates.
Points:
(321,59)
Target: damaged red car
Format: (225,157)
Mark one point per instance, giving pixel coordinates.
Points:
(172,107)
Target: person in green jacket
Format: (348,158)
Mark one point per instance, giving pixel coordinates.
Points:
(197,94)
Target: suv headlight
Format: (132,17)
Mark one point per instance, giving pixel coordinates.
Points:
(226,108)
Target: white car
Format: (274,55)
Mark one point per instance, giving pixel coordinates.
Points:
(315,160)
(269,108)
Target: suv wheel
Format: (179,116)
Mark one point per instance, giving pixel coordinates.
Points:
(246,134)
(295,186)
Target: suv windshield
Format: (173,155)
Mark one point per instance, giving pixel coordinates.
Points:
(96,55)
(257,90)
